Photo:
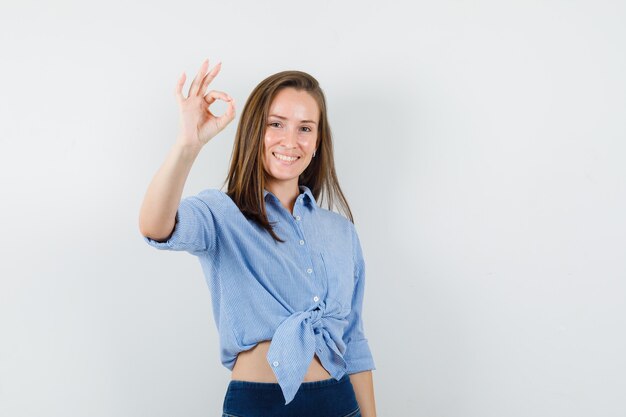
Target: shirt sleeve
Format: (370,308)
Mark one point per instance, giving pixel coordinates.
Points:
(195,228)
(358,356)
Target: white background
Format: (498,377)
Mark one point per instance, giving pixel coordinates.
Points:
(480,144)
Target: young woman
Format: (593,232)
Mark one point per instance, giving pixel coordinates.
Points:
(286,276)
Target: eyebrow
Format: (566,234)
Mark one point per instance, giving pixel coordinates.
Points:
(284,118)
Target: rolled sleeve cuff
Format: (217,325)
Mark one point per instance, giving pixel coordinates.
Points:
(167,245)
(183,236)
(358,357)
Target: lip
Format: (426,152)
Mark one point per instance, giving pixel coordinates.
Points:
(286,163)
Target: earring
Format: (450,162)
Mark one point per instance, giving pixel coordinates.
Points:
(313,154)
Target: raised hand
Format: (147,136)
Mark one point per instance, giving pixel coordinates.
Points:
(197,124)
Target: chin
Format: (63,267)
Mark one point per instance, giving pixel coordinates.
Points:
(283,177)
(281,174)
(278,175)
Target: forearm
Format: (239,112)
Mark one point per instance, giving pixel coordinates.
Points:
(364,389)
(158,211)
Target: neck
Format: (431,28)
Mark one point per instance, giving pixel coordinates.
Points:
(286,191)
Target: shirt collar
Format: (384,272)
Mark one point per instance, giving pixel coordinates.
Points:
(308,195)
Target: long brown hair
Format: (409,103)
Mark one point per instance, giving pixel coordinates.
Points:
(246,176)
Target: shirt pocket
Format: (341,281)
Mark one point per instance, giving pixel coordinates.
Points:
(339,279)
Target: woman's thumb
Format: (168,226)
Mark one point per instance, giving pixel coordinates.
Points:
(228,115)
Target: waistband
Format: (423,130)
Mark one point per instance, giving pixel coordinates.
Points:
(237,383)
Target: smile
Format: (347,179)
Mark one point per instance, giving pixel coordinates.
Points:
(286,160)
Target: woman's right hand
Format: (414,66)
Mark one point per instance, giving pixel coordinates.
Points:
(197,124)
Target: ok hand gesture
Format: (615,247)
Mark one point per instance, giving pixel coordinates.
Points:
(197,124)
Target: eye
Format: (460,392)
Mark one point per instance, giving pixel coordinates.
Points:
(273,123)
(306,127)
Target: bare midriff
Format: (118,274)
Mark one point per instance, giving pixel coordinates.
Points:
(252,365)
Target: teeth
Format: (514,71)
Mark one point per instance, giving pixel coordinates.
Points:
(285,158)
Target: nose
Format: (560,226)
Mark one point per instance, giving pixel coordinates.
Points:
(291,138)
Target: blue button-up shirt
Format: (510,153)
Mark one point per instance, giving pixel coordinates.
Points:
(305,295)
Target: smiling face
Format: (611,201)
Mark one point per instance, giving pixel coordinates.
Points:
(290,136)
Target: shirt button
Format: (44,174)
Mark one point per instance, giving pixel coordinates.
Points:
(275,363)
(316,298)
(309,270)
(302,242)
(297,217)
